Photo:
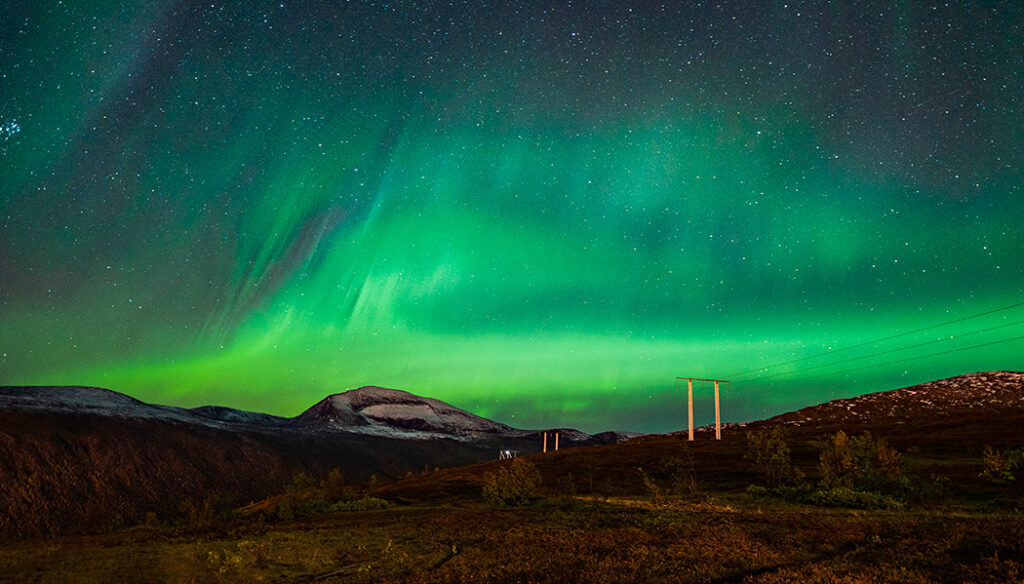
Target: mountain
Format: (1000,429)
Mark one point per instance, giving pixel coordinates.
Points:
(84,400)
(391,412)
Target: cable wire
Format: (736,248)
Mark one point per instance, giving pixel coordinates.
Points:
(747,372)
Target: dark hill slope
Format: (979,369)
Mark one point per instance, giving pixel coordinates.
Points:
(942,427)
(86,458)
(64,472)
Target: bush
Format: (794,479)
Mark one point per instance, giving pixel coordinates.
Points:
(997,468)
(791,494)
(334,488)
(757,491)
(301,482)
(864,463)
(769,449)
(656,492)
(513,484)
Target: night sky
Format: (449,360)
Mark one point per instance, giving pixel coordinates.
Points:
(541,212)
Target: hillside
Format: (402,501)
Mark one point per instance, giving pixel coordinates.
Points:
(946,423)
(973,393)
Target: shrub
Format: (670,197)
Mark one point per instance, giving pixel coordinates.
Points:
(862,462)
(513,484)
(334,489)
(757,491)
(656,492)
(997,468)
(769,449)
(301,482)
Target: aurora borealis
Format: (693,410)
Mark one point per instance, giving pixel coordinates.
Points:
(541,212)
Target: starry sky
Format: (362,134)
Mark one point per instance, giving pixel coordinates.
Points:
(543,212)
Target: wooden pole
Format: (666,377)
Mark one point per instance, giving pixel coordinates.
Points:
(718,415)
(556,441)
(545,442)
(689,384)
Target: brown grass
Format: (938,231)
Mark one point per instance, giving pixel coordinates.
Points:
(438,529)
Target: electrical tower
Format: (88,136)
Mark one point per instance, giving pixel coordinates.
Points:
(689,403)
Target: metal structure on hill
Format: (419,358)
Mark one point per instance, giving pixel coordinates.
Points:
(718,411)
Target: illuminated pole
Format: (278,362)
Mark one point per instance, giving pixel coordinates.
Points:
(718,415)
(556,441)
(545,441)
(689,403)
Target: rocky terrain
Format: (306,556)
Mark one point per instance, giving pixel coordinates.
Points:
(982,392)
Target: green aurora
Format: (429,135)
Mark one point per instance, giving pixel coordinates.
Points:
(540,214)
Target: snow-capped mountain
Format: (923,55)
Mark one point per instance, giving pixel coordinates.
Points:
(395,413)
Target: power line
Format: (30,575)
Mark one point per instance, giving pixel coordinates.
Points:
(940,353)
(897,350)
(747,372)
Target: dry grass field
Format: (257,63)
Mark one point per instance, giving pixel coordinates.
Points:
(656,509)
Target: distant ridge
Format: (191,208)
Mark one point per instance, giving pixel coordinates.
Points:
(972,392)
(368,410)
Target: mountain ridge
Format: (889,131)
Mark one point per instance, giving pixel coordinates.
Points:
(970,392)
(369,410)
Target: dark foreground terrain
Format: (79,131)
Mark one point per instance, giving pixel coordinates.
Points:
(948,508)
(618,540)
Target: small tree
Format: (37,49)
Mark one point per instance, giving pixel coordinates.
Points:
(769,449)
(836,462)
(334,488)
(997,468)
(301,482)
(514,484)
(861,462)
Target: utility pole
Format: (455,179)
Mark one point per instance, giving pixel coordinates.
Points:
(718,415)
(689,402)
